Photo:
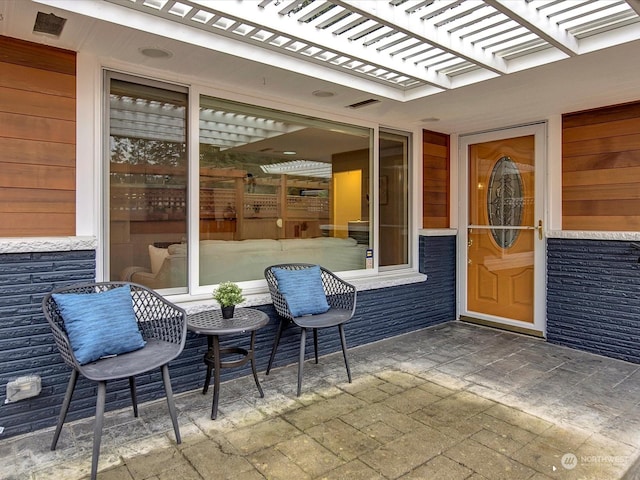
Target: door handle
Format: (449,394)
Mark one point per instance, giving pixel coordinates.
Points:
(539,228)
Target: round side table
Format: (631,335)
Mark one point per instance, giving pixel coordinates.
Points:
(211,323)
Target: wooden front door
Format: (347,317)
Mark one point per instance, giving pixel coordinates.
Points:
(503,231)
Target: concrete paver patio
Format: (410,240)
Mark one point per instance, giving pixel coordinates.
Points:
(452,402)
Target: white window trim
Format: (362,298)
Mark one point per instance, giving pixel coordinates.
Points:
(89,179)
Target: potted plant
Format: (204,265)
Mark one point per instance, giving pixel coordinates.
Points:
(228,295)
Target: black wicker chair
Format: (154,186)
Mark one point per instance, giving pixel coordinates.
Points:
(341,297)
(163,327)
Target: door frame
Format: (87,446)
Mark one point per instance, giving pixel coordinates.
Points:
(539,131)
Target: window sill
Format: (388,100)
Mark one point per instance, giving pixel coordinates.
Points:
(262,297)
(254,296)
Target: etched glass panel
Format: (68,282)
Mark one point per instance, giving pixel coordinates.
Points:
(505,201)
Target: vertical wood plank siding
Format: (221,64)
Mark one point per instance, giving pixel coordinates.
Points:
(37,139)
(435,178)
(601,169)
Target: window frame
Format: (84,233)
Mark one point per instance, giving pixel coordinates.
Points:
(105,213)
(259,285)
(196,292)
(409,199)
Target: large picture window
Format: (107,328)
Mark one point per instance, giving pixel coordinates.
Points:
(273,187)
(279,188)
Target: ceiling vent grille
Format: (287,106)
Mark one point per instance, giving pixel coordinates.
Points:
(363,103)
(49,24)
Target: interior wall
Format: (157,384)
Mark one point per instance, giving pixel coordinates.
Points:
(346,200)
(37,139)
(356,160)
(601,169)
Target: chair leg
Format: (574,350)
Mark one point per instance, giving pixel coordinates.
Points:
(252,353)
(134,395)
(73,379)
(343,340)
(207,379)
(303,341)
(276,341)
(172,407)
(97,428)
(315,343)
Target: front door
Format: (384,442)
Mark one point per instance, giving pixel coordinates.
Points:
(502,255)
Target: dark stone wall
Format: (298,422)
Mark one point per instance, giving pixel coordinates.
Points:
(593,296)
(26,344)
(437,259)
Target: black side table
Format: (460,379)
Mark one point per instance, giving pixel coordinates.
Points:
(211,323)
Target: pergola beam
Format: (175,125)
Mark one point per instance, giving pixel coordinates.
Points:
(540,25)
(324,39)
(425,32)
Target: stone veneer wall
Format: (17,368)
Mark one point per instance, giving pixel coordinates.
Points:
(26,345)
(593,296)
(437,257)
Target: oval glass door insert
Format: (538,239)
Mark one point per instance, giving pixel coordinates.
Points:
(505,201)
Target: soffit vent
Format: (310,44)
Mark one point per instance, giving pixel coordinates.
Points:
(49,24)
(363,103)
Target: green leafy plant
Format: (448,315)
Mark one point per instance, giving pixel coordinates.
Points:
(228,294)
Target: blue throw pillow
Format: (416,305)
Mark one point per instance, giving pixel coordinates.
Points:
(302,289)
(100,324)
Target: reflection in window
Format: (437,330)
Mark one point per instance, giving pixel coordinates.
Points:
(272,187)
(278,188)
(147,183)
(393,198)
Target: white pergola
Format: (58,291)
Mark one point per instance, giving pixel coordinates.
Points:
(401,49)
(416,47)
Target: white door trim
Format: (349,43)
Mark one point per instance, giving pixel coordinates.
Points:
(539,130)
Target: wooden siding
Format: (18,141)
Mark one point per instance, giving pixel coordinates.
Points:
(435,178)
(601,169)
(37,139)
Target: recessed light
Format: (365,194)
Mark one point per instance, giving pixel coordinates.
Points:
(155,52)
(322,94)
(289,152)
